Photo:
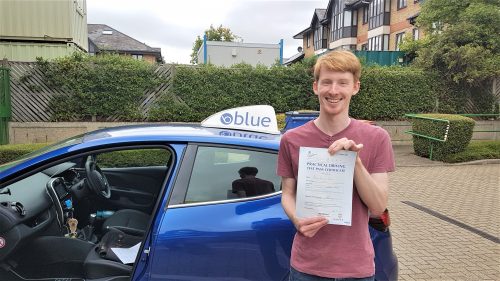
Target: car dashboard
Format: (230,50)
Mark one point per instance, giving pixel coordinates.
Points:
(26,205)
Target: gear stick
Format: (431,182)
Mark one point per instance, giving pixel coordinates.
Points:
(88,230)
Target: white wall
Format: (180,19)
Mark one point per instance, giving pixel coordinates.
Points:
(229,53)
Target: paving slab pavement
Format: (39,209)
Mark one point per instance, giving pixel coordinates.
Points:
(445,218)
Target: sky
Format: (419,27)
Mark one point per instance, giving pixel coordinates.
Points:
(173,25)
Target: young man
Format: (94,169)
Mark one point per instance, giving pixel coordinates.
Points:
(321,250)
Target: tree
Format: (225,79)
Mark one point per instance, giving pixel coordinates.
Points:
(213,34)
(462,40)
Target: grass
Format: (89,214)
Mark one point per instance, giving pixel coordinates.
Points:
(477,150)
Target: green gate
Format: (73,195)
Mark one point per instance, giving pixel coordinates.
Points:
(5,111)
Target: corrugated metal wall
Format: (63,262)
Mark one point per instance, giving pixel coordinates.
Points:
(79,24)
(51,21)
(28,52)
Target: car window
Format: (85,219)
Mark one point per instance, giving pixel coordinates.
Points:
(134,158)
(226,173)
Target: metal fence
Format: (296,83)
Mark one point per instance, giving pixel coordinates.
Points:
(382,57)
(5,110)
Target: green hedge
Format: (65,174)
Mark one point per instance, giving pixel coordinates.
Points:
(387,93)
(201,91)
(10,152)
(98,87)
(121,158)
(134,158)
(101,87)
(476,150)
(459,135)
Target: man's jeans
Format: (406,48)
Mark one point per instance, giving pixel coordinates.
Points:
(299,276)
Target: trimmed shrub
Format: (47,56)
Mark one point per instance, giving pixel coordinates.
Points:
(476,150)
(121,158)
(134,158)
(459,134)
(387,93)
(11,152)
(201,91)
(111,88)
(97,87)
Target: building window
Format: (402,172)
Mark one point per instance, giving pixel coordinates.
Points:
(318,36)
(365,15)
(379,14)
(416,34)
(364,47)
(337,20)
(308,40)
(137,57)
(379,43)
(402,4)
(344,22)
(399,39)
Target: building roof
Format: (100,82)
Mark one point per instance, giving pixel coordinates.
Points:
(295,58)
(319,14)
(106,38)
(354,4)
(300,35)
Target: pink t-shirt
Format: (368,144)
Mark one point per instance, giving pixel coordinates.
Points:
(337,251)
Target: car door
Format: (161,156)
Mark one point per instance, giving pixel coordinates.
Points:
(208,234)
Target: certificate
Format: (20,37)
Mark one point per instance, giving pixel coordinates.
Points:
(324,184)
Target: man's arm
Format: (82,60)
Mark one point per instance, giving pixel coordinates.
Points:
(373,189)
(307,227)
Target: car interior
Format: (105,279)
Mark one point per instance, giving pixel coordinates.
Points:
(75,219)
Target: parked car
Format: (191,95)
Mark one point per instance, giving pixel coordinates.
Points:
(154,202)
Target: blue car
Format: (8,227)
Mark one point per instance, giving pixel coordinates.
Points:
(155,202)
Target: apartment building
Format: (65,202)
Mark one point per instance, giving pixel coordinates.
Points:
(371,25)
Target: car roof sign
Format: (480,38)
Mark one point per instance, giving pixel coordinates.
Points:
(254,118)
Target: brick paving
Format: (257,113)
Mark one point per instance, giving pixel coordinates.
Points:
(430,248)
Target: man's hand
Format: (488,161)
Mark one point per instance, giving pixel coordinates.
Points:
(344,144)
(373,189)
(310,226)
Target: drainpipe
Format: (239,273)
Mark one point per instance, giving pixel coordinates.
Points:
(205,49)
(281,51)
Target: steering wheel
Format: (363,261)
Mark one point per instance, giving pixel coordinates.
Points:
(96,179)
